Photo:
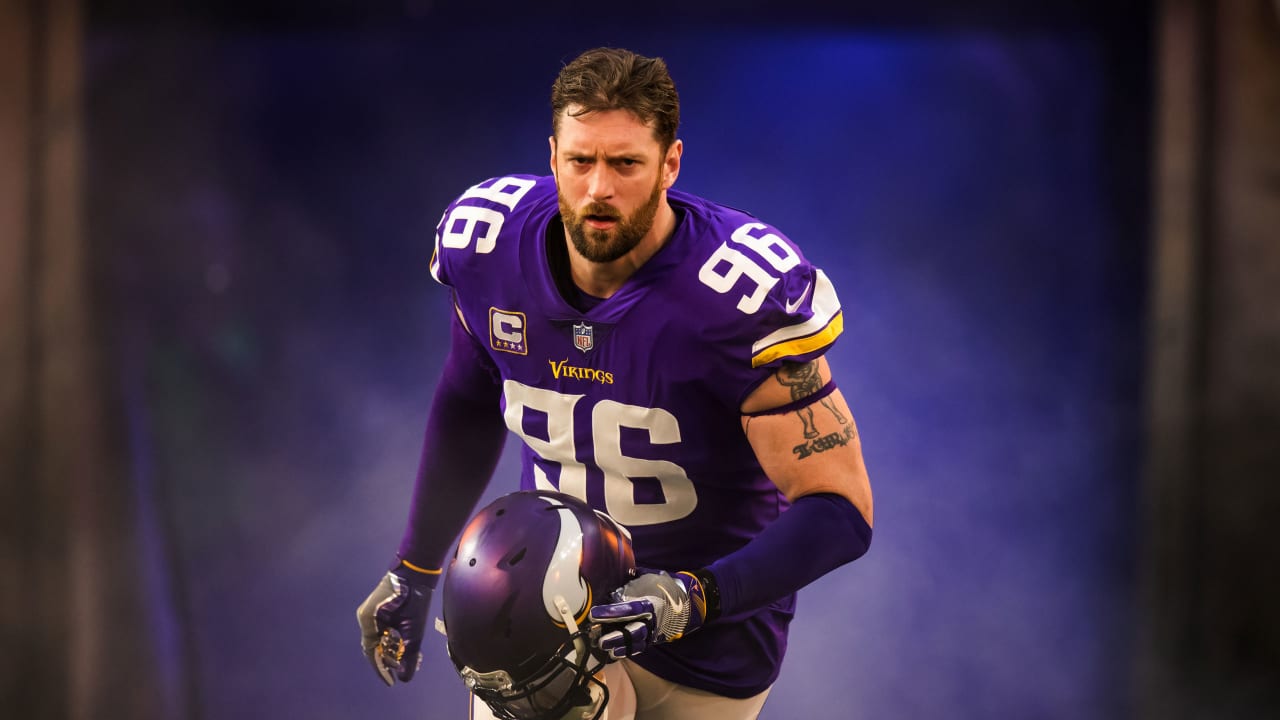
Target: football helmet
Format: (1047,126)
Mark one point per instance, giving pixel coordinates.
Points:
(527,570)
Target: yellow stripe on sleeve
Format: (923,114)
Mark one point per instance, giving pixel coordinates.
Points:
(800,346)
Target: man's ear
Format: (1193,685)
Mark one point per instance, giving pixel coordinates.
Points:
(671,164)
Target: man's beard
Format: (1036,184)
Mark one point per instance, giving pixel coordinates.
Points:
(603,246)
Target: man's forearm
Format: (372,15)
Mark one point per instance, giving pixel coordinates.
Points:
(460,449)
(816,535)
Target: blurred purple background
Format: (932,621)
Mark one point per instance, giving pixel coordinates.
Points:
(262,195)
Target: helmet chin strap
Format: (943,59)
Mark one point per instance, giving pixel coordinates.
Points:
(598,693)
(594,709)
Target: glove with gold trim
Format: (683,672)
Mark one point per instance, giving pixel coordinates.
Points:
(393,619)
(654,608)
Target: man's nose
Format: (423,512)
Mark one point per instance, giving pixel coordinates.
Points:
(600,182)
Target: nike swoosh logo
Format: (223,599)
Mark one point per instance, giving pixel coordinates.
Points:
(677,606)
(793,306)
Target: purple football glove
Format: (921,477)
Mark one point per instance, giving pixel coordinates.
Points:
(392,620)
(653,608)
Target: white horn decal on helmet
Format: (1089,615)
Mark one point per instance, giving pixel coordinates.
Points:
(563,572)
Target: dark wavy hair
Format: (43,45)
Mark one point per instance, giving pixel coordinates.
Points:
(616,79)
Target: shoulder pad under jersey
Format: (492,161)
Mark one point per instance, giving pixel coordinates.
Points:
(486,222)
(767,298)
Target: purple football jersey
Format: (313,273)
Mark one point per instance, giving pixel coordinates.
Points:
(633,405)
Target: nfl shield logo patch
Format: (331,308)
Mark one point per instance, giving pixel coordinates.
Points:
(583,339)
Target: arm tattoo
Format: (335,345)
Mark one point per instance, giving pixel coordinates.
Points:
(804,380)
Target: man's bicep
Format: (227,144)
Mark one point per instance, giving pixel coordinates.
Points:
(811,448)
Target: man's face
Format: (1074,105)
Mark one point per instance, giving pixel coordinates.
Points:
(611,177)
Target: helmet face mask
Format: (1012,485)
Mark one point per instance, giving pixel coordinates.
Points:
(562,686)
(527,569)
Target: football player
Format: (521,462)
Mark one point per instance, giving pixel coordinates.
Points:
(660,356)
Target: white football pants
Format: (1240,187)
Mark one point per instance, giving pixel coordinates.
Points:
(637,694)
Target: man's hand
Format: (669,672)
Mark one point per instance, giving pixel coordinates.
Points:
(392,620)
(653,608)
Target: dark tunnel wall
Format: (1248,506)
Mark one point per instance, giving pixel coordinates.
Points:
(1211,570)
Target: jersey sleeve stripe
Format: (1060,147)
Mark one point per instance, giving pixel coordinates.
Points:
(462,319)
(803,345)
(822,327)
(435,253)
(435,266)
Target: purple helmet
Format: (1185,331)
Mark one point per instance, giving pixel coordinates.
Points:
(527,569)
